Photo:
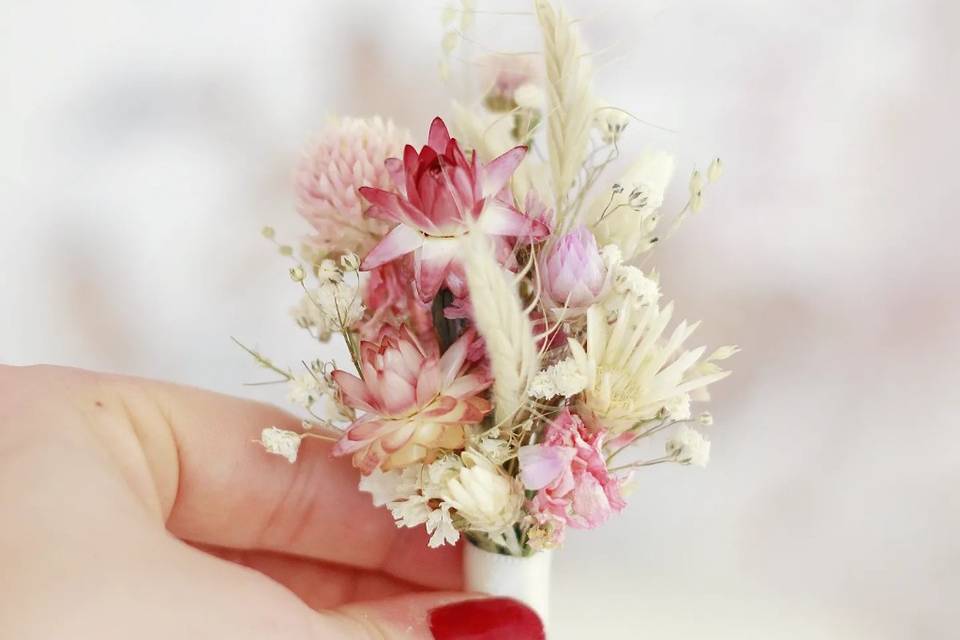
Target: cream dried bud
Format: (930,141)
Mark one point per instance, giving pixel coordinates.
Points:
(350,262)
(705,418)
(696,183)
(327,270)
(297,274)
(285,250)
(715,170)
(530,96)
(281,442)
(268,233)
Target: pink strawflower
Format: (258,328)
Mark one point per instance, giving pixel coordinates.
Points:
(439,195)
(572,272)
(348,154)
(416,401)
(570,476)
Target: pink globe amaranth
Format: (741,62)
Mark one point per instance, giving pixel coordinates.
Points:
(569,473)
(348,154)
(415,400)
(572,272)
(440,195)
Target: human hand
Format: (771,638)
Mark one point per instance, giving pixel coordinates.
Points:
(138,509)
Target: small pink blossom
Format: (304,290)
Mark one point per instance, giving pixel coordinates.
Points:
(570,476)
(439,195)
(415,400)
(389,299)
(572,272)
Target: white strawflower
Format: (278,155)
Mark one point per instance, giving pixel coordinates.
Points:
(688,446)
(484,495)
(281,442)
(561,379)
(626,215)
(633,369)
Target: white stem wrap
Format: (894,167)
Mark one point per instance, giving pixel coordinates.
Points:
(524,579)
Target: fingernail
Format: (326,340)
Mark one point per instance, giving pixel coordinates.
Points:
(486,619)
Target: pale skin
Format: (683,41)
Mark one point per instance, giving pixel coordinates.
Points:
(138,509)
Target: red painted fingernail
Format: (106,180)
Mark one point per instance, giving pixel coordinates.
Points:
(487,619)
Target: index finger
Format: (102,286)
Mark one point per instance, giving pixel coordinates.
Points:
(218,487)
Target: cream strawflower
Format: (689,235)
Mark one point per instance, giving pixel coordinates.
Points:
(688,446)
(349,153)
(484,495)
(632,373)
(627,215)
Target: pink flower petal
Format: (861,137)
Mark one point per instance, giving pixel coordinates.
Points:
(499,219)
(438,136)
(432,264)
(540,465)
(496,173)
(401,241)
(354,391)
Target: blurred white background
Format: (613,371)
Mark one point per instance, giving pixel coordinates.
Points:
(144,144)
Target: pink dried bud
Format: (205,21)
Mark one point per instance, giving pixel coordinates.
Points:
(573,271)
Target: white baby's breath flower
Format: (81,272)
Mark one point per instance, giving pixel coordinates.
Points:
(496,450)
(385,487)
(412,512)
(688,446)
(484,495)
(561,379)
(328,270)
(304,389)
(340,302)
(678,407)
(440,527)
(612,257)
(630,280)
(281,442)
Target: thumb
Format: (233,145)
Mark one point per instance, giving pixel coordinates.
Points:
(433,616)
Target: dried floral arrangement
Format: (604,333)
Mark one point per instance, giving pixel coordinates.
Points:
(509,357)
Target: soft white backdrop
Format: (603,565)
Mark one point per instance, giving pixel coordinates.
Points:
(143,145)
